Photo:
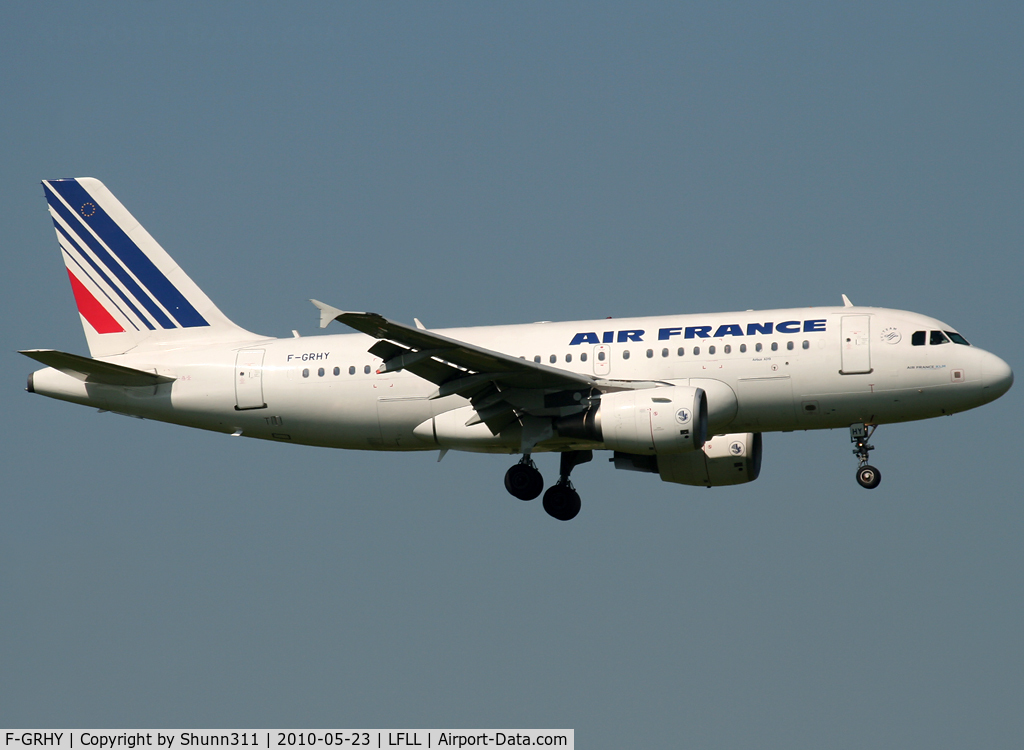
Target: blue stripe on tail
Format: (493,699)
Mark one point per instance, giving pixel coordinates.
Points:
(99,272)
(112,265)
(88,211)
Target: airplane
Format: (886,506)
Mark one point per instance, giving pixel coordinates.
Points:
(686,397)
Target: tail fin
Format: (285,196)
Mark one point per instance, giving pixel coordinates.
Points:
(129,292)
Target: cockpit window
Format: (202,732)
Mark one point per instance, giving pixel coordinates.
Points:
(937,337)
(918,338)
(957,338)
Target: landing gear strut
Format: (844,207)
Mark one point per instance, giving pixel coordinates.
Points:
(561,501)
(868,477)
(523,480)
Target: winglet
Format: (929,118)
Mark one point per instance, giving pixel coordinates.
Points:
(327,313)
(846,301)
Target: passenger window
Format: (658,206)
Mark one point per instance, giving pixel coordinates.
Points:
(625,353)
(775,346)
(789,345)
(937,337)
(537,359)
(664,352)
(553,358)
(917,339)
(806,344)
(568,358)
(583,357)
(600,356)
(957,338)
(337,371)
(743,348)
(711,349)
(305,373)
(728,348)
(757,347)
(320,372)
(681,352)
(352,370)
(696,351)
(650,353)
(366,370)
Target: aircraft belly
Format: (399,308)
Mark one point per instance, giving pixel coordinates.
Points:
(765,404)
(337,415)
(402,404)
(882,403)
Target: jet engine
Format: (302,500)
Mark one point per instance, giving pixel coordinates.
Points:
(724,460)
(662,420)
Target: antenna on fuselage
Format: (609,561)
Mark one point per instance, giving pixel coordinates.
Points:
(846,301)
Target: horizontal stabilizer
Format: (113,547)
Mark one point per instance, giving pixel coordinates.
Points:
(95,371)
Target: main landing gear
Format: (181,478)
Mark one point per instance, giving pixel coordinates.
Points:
(868,477)
(561,501)
(523,480)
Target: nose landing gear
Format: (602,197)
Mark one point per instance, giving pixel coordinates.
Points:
(868,476)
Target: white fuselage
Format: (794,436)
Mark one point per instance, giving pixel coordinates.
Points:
(812,368)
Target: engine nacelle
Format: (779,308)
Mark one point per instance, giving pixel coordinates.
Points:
(725,460)
(651,421)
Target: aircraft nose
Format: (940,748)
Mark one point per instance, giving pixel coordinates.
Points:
(996,375)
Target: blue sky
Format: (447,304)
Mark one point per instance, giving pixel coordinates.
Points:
(470,164)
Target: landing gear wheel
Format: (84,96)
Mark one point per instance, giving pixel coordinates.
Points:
(524,481)
(562,502)
(868,477)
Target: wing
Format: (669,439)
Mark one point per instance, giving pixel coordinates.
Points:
(500,387)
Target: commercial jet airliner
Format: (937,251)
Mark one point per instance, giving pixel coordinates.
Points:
(686,397)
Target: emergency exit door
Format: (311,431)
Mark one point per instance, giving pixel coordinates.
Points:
(249,379)
(856,344)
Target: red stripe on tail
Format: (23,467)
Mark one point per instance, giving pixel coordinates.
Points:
(97,315)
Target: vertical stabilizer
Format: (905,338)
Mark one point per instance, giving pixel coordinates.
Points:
(130,293)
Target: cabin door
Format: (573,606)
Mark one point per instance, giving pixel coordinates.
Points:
(856,344)
(249,379)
